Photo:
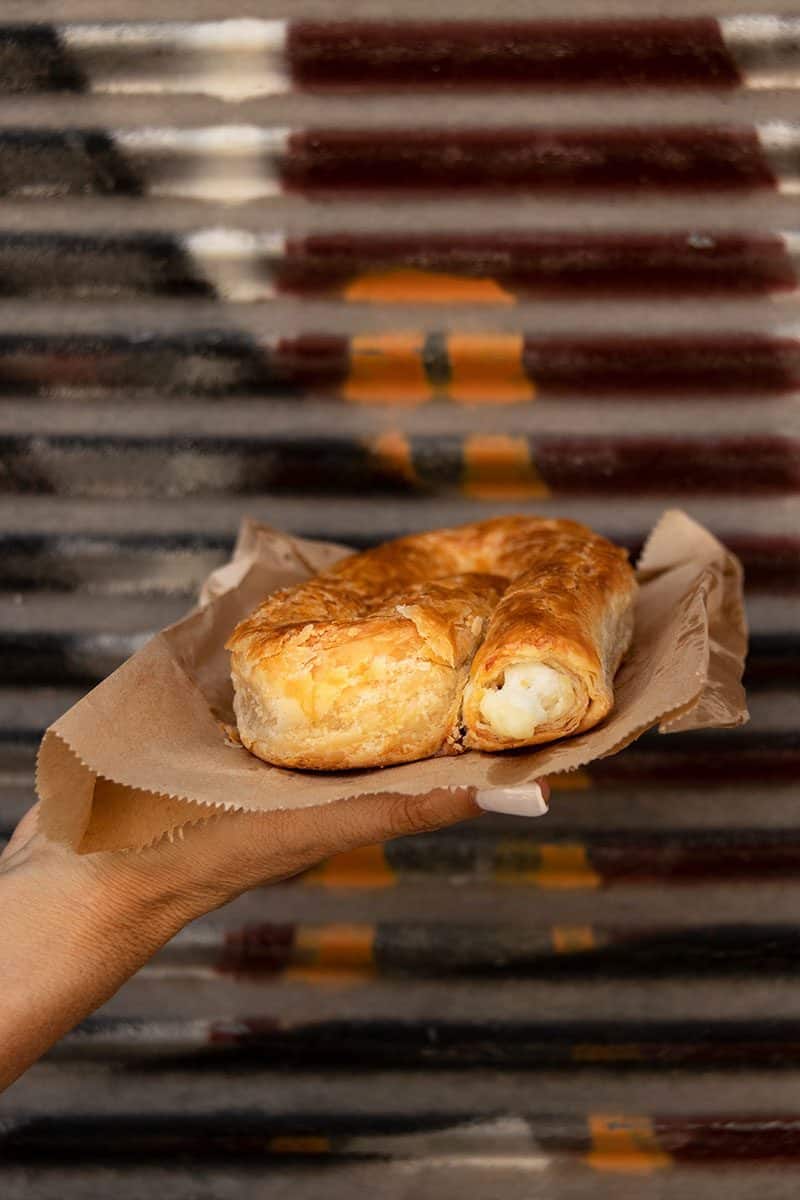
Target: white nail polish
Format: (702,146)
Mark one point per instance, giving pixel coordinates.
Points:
(525,801)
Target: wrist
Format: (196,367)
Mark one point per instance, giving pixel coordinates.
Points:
(100,903)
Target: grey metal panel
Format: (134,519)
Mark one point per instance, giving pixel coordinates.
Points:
(627,950)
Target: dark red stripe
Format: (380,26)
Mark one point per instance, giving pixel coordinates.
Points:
(660,157)
(311,361)
(462,54)
(729,1138)
(257,950)
(676,765)
(678,863)
(769,562)
(734,363)
(543,263)
(748,465)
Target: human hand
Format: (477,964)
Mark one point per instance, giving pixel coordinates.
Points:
(74,927)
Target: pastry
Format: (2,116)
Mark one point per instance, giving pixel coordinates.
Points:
(495,635)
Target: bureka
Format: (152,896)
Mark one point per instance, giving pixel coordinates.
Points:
(491,636)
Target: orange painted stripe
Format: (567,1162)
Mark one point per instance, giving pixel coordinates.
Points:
(347,946)
(409,285)
(488,369)
(623,1143)
(563,865)
(332,955)
(363,868)
(499,467)
(566,866)
(300,1145)
(387,368)
(572,939)
(570,781)
(393,456)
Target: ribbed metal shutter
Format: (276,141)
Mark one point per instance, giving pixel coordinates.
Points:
(358,279)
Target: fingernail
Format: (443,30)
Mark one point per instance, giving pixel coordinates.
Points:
(525,801)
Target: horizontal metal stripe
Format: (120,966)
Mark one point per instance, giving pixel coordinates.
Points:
(436,1042)
(52,163)
(710,765)
(401,367)
(116,566)
(57,650)
(172,322)
(236,59)
(624,520)
(436,267)
(479,428)
(373,10)
(479,1092)
(172,57)
(615,214)
(87,265)
(427,268)
(261,161)
(130,565)
(574,814)
(259,1137)
(523,468)
(33,59)
(233,59)
(613,860)
(450,1174)
(443,949)
(455,1138)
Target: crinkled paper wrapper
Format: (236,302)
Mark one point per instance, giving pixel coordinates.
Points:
(147,751)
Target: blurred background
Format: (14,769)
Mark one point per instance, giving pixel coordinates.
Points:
(357,271)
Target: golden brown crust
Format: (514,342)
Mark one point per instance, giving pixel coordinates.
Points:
(570,607)
(366,664)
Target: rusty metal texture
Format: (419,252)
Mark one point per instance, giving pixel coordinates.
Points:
(358,277)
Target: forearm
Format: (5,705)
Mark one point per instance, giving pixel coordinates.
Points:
(68,941)
(74,927)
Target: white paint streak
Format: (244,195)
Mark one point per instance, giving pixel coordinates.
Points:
(791,243)
(234,60)
(766,49)
(486,1162)
(494,1143)
(229,164)
(780,142)
(238,264)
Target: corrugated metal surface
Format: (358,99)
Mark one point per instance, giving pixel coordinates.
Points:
(357,278)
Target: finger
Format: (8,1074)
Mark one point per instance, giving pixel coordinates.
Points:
(233,852)
(365,820)
(281,843)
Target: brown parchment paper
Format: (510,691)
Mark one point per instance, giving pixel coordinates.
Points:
(146,752)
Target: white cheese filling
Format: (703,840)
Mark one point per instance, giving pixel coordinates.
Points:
(531,695)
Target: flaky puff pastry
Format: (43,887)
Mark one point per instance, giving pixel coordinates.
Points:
(494,635)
